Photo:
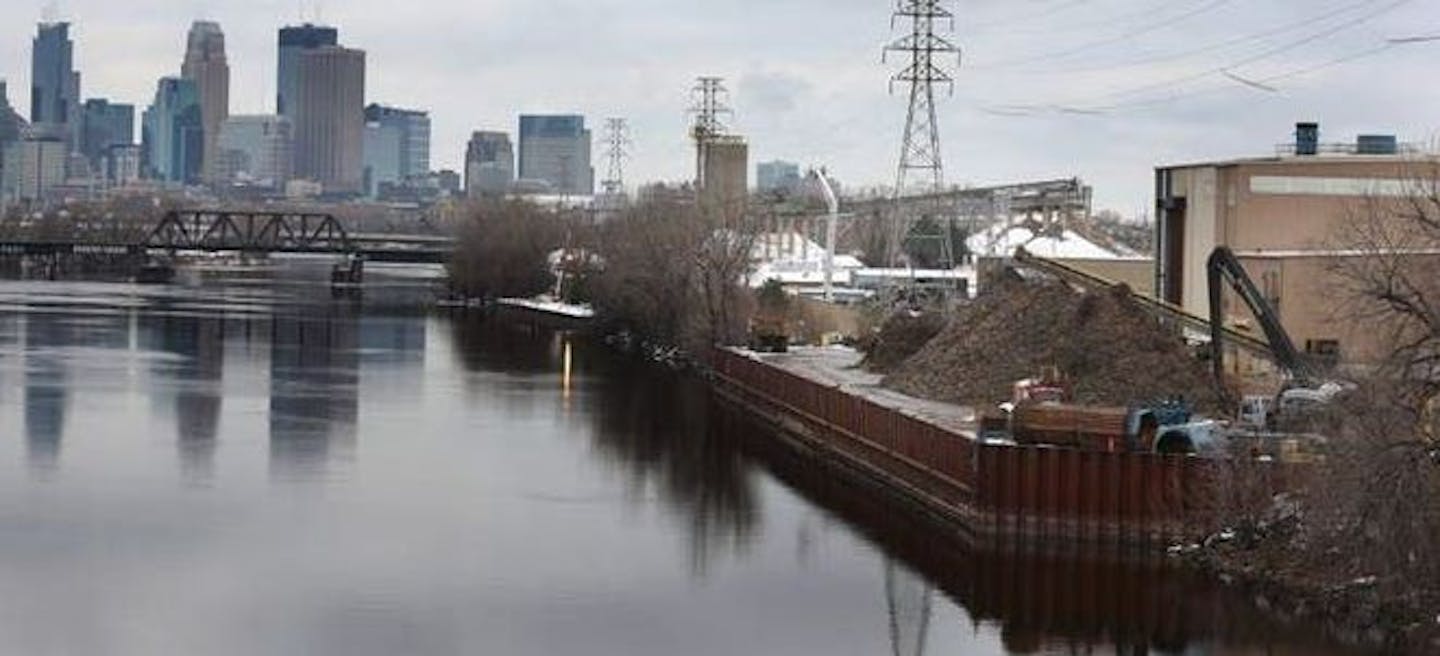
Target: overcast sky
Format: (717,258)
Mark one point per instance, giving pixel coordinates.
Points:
(1100,89)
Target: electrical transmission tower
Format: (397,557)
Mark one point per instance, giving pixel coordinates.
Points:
(617,149)
(710,98)
(920,158)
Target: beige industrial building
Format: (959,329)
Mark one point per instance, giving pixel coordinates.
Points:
(724,171)
(1286,218)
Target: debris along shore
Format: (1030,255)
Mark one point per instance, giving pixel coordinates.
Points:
(1110,349)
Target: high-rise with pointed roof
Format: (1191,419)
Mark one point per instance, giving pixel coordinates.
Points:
(54,84)
(206,66)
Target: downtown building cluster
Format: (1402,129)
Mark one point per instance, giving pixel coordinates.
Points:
(324,140)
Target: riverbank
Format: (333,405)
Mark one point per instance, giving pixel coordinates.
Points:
(1351,603)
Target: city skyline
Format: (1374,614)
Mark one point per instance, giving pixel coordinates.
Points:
(808,85)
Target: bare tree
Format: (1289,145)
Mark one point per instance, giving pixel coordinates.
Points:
(504,248)
(675,272)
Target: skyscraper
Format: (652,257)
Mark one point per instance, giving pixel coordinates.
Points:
(556,150)
(256,150)
(489,164)
(104,124)
(413,128)
(55,85)
(206,66)
(330,118)
(383,145)
(293,41)
(32,166)
(173,132)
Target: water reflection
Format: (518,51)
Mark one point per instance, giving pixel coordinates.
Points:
(1068,601)
(46,390)
(314,395)
(192,382)
(653,428)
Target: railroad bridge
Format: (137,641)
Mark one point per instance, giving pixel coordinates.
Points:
(214,231)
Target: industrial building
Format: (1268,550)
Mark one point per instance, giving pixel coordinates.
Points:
(724,174)
(1286,218)
(778,175)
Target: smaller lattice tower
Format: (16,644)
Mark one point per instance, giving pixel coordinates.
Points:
(617,150)
(710,103)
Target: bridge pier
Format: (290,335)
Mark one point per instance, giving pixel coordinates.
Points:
(349,271)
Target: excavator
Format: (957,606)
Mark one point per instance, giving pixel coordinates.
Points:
(1304,391)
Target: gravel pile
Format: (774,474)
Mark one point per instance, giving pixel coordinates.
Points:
(1111,350)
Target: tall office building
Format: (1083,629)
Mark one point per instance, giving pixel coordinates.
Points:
(255,150)
(206,66)
(413,129)
(173,132)
(293,41)
(11,123)
(330,118)
(55,85)
(383,145)
(32,166)
(489,164)
(104,124)
(556,150)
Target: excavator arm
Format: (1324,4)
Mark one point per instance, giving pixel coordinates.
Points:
(1225,269)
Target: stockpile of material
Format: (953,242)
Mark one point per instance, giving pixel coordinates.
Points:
(903,335)
(1108,348)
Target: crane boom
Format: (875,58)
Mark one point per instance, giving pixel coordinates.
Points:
(1224,267)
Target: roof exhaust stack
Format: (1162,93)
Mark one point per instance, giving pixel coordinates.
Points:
(1307,139)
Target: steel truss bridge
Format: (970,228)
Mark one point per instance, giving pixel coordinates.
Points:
(258,233)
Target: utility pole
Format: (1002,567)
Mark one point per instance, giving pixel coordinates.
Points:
(617,150)
(710,103)
(921,163)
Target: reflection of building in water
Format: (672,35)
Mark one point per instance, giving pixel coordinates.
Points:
(193,383)
(392,340)
(46,383)
(314,402)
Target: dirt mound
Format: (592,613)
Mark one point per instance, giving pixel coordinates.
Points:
(902,336)
(1111,350)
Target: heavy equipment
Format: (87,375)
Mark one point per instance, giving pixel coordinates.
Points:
(1304,390)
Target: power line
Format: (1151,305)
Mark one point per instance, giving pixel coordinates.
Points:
(1221,45)
(1117,97)
(1207,7)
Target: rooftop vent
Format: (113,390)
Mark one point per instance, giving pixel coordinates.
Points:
(1376,144)
(1307,139)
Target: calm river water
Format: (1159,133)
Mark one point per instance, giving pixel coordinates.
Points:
(240,466)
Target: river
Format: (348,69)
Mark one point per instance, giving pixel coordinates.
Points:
(246,465)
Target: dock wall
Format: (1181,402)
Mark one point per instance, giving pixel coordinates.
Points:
(989,489)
